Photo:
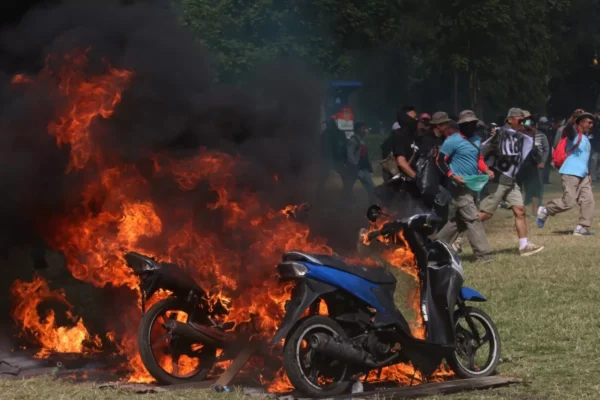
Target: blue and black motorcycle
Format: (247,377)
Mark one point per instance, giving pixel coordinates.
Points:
(365,331)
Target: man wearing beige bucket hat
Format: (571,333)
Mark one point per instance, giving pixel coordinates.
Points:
(460,157)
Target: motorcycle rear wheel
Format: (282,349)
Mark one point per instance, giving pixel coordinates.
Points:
(147,344)
(467,346)
(300,362)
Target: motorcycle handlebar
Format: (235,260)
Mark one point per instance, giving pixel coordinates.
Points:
(431,220)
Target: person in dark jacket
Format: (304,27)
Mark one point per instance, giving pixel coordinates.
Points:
(401,193)
(404,145)
(404,127)
(388,144)
(333,155)
(530,175)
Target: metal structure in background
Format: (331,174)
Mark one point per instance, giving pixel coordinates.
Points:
(337,104)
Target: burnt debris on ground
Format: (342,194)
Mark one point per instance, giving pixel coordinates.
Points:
(81,369)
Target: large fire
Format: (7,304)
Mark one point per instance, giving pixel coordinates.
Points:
(119,212)
(28,297)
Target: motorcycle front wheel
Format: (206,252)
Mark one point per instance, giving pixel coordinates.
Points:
(169,359)
(477,351)
(314,374)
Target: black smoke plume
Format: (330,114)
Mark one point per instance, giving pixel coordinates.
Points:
(173,106)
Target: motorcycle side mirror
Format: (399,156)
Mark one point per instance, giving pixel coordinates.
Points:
(374,212)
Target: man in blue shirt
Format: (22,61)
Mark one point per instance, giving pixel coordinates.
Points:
(460,157)
(576,179)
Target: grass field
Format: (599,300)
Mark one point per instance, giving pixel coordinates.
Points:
(546,308)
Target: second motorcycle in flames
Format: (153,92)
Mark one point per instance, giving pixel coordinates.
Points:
(363,331)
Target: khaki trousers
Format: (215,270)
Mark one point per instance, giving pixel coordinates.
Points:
(466,220)
(576,190)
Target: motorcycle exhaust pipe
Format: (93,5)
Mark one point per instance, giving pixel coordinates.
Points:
(188,331)
(340,349)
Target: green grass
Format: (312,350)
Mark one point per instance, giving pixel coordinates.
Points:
(547,308)
(48,389)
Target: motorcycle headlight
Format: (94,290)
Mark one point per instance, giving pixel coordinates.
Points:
(292,270)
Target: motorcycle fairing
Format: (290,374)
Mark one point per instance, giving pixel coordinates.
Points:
(353,284)
(440,292)
(379,275)
(470,294)
(378,296)
(304,294)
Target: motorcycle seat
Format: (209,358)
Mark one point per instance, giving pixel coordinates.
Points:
(371,274)
(171,274)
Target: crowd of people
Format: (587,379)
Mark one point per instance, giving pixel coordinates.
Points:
(464,170)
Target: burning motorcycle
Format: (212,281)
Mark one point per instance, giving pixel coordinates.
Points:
(179,336)
(364,331)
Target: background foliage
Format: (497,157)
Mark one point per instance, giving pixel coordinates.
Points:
(487,55)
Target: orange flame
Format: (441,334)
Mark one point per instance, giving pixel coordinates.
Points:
(27,298)
(118,214)
(21,78)
(88,97)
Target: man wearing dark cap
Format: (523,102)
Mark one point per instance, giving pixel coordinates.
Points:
(439,124)
(505,152)
(576,180)
(460,157)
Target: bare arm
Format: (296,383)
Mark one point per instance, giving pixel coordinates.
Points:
(405,166)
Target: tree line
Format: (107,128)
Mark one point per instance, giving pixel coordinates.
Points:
(487,55)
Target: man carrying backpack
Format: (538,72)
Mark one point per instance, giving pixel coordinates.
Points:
(572,156)
(505,153)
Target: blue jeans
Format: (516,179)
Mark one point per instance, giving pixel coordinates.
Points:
(365,178)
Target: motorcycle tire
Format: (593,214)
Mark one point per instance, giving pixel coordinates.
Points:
(291,357)
(145,348)
(491,329)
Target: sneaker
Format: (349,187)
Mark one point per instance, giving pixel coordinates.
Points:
(483,260)
(542,215)
(530,250)
(581,231)
(457,245)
